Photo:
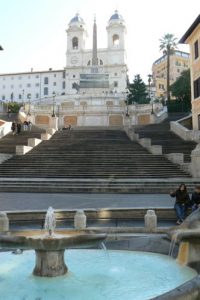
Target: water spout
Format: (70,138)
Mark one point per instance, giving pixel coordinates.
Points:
(50,221)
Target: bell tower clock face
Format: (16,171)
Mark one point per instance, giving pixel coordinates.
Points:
(74,60)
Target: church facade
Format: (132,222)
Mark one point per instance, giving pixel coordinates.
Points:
(96,70)
(90,91)
(91,87)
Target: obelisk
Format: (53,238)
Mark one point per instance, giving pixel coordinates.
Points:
(94,48)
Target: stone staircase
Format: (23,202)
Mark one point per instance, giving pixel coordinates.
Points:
(85,160)
(90,154)
(160,134)
(9,142)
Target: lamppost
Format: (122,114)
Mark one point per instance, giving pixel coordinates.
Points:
(126,101)
(23,98)
(29,104)
(149,82)
(53,113)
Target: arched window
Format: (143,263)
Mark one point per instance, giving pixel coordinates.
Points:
(101,62)
(75,43)
(115,40)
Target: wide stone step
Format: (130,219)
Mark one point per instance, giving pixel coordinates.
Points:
(92,155)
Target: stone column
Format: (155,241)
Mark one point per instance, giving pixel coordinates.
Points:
(195,162)
(80,220)
(53,123)
(4,222)
(50,263)
(150,220)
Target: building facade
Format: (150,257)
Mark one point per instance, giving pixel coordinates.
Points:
(90,91)
(192,37)
(84,73)
(179,61)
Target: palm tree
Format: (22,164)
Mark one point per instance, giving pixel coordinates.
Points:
(168,44)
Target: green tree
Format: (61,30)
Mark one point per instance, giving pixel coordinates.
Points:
(168,44)
(14,106)
(181,88)
(137,91)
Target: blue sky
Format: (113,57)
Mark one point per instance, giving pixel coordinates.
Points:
(32,32)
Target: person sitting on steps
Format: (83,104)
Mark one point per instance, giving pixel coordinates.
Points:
(196,198)
(182,202)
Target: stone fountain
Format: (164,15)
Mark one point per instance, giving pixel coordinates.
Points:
(50,244)
(188,236)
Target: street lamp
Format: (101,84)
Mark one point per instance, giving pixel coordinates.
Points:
(53,114)
(126,101)
(149,82)
(29,104)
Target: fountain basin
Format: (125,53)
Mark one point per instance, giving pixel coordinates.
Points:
(49,249)
(93,274)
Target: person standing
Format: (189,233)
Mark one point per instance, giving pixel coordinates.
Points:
(196,198)
(9,113)
(18,128)
(182,202)
(29,125)
(13,127)
(25,125)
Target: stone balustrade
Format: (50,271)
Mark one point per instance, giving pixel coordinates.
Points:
(21,149)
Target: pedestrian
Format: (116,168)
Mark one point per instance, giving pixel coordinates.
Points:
(196,198)
(9,113)
(29,125)
(13,127)
(25,126)
(182,202)
(18,128)
(69,127)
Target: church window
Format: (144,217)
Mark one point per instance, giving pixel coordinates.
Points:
(101,62)
(63,85)
(75,43)
(46,91)
(63,74)
(115,40)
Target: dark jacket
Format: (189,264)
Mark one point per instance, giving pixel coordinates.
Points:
(195,198)
(181,197)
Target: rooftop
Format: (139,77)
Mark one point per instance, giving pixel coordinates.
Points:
(176,53)
(190,30)
(31,72)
